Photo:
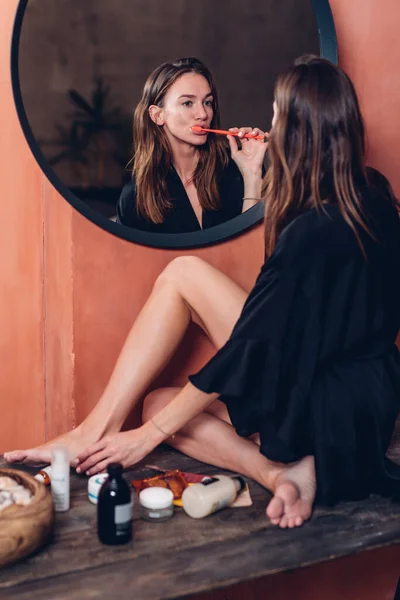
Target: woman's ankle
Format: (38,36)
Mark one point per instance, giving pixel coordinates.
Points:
(269,472)
(89,430)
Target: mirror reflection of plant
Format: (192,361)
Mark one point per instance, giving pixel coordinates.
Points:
(122,154)
(97,118)
(73,142)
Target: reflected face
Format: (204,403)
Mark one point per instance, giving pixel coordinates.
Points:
(188,102)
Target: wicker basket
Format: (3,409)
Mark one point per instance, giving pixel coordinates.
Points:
(24,529)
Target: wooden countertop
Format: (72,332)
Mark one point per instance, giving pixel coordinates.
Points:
(185,556)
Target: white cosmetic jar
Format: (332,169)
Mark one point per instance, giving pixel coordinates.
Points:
(156,504)
(94,485)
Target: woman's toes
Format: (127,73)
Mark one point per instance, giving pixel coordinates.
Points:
(15,456)
(284,522)
(31,457)
(275,510)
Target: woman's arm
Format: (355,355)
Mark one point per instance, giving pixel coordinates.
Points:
(249,160)
(252,188)
(129,447)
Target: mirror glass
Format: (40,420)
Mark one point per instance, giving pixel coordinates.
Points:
(80,72)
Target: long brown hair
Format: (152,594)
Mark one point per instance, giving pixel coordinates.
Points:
(152,158)
(316,147)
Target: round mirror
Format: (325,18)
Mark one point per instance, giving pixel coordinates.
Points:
(78,73)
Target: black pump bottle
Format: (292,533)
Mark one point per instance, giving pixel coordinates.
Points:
(114,508)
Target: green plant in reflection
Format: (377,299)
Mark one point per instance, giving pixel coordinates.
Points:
(96,119)
(73,144)
(97,129)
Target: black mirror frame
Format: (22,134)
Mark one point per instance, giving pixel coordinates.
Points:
(197,239)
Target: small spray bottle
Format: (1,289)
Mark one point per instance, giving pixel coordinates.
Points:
(60,479)
(202,499)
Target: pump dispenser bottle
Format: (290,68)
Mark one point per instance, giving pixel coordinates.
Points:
(202,499)
(60,479)
(114,508)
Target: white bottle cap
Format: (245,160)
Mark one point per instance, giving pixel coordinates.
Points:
(59,456)
(156,498)
(94,484)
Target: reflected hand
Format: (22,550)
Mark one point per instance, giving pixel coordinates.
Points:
(127,448)
(251,156)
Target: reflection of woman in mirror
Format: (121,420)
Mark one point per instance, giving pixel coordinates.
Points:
(185,181)
(306,367)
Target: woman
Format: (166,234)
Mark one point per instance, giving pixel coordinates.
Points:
(183,180)
(306,363)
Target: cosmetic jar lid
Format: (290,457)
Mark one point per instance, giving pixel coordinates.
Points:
(156,498)
(94,484)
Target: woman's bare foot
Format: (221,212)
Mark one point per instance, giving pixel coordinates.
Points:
(76,441)
(294,493)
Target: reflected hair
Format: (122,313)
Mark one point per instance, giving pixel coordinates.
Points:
(152,156)
(316,148)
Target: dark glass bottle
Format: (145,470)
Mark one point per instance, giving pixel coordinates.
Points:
(114,508)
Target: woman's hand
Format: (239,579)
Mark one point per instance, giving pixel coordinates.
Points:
(126,447)
(251,157)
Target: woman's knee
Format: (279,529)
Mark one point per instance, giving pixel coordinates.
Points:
(156,400)
(179,270)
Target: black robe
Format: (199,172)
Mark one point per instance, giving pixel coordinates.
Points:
(182,218)
(312,364)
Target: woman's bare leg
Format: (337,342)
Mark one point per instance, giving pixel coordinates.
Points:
(210,437)
(189,289)
(213,423)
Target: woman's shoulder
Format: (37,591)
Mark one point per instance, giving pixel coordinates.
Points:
(317,234)
(129,189)
(379,192)
(378,181)
(126,205)
(315,223)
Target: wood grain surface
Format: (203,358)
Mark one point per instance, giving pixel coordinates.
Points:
(185,556)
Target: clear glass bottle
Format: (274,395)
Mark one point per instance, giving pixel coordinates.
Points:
(114,508)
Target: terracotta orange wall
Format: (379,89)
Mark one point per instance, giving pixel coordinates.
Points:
(369,50)
(22,404)
(367,576)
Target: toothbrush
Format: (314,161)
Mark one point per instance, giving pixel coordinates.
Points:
(199,129)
